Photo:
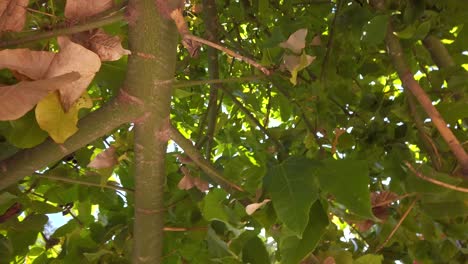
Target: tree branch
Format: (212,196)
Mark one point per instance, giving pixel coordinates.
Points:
(93,126)
(65,30)
(211,25)
(149,79)
(197,158)
(439,53)
(396,53)
(434,181)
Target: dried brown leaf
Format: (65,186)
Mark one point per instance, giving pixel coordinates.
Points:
(33,64)
(251,208)
(73,57)
(80,9)
(109,48)
(105,159)
(316,41)
(201,185)
(296,41)
(12,14)
(16,100)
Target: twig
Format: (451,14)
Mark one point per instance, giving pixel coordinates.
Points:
(229,52)
(184,229)
(428,143)
(401,197)
(85,183)
(186,84)
(397,225)
(197,158)
(253,119)
(87,25)
(434,181)
(330,42)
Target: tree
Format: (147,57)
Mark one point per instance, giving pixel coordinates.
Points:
(299,131)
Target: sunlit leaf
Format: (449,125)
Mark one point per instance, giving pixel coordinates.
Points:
(52,118)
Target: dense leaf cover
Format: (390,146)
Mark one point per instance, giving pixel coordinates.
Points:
(330,144)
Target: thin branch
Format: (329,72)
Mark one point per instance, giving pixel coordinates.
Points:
(428,143)
(395,51)
(397,225)
(84,183)
(184,229)
(64,30)
(401,197)
(229,52)
(434,181)
(93,126)
(439,53)
(252,118)
(186,84)
(330,41)
(198,159)
(211,34)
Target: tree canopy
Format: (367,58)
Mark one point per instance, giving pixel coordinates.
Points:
(233,131)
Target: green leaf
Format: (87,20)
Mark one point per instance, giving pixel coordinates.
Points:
(293,191)
(6,249)
(213,207)
(254,252)
(348,181)
(6,200)
(369,259)
(375,30)
(44,208)
(25,132)
(293,249)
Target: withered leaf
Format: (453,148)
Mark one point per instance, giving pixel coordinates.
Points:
(80,9)
(33,64)
(251,208)
(73,57)
(12,14)
(16,100)
(107,47)
(296,41)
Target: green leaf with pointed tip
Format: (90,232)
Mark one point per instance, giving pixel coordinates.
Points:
(293,191)
(293,249)
(348,181)
(212,206)
(254,252)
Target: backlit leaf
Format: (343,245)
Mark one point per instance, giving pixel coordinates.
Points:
(296,41)
(293,249)
(52,118)
(293,191)
(348,181)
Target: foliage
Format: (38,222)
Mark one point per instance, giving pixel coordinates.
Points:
(317,148)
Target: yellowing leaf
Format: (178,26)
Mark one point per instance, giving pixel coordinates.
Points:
(296,63)
(251,208)
(16,100)
(12,14)
(79,9)
(105,159)
(33,64)
(296,41)
(73,57)
(52,118)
